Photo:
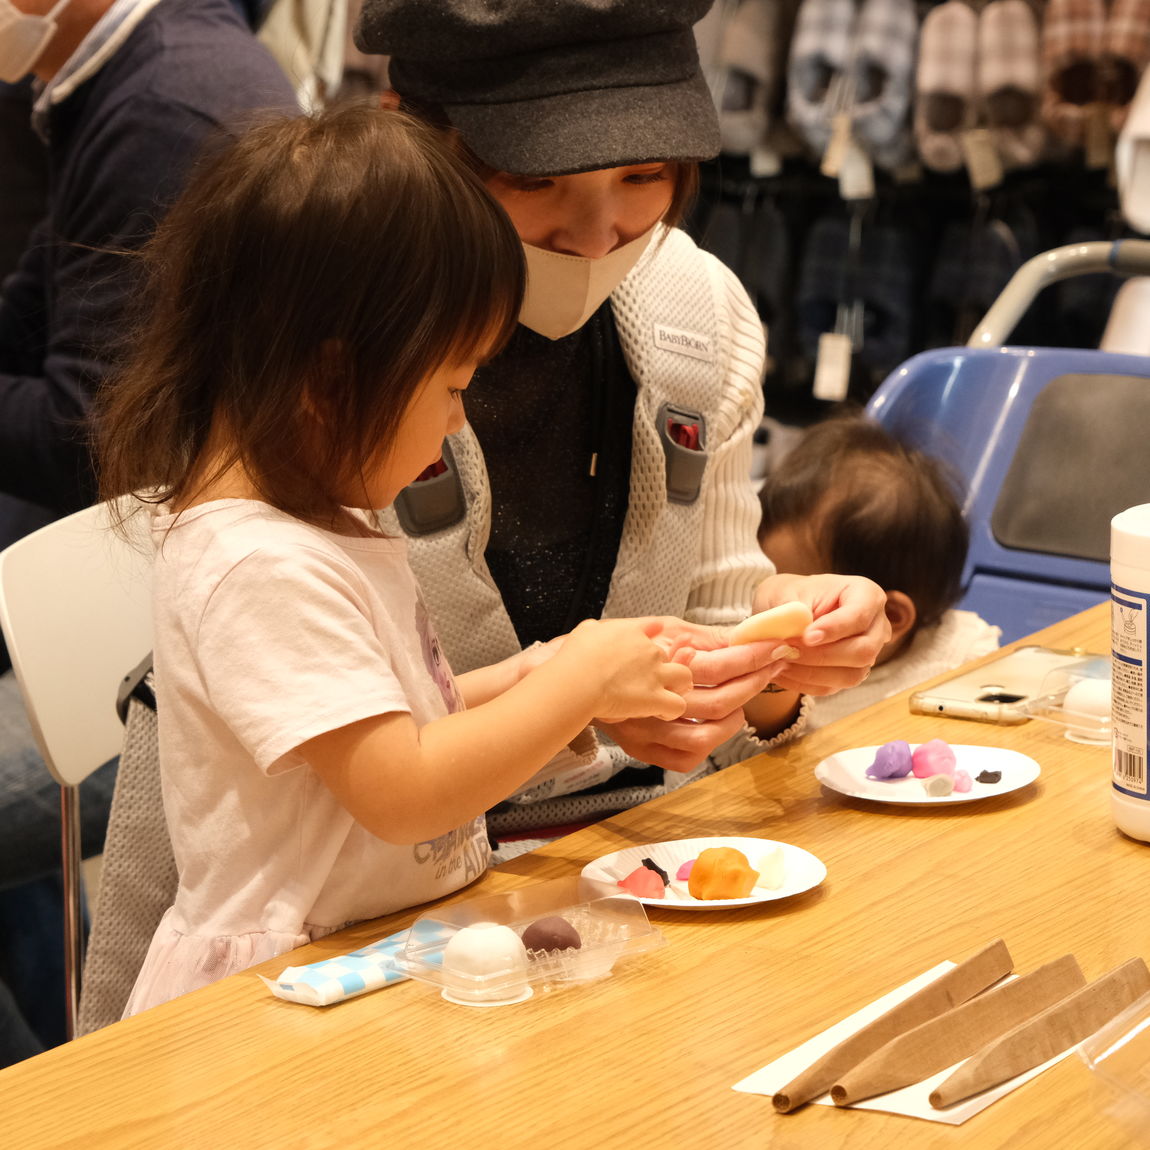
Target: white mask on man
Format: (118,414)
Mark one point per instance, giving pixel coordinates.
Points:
(563,291)
(23,38)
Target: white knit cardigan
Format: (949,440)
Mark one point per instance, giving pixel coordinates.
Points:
(699,561)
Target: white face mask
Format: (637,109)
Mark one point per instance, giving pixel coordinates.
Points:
(564,291)
(23,38)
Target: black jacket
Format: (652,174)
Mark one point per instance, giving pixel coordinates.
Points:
(119,148)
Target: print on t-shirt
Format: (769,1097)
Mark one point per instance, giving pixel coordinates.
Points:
(462,854)
(435,659)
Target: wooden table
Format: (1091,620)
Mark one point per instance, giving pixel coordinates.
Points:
(647,1057)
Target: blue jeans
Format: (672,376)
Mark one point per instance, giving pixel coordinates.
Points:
(17,1041)
(31,901)
(30,800)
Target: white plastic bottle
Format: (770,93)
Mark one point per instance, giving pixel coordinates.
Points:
(1130,610)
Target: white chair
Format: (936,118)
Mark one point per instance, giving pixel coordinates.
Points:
(76,612)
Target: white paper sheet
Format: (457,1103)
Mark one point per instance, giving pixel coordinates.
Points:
(913,1101)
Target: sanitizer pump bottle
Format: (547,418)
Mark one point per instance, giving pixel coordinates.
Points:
(1130,607)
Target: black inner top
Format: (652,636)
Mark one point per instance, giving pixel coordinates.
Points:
(543,410)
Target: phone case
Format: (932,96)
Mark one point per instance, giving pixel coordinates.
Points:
(998,691)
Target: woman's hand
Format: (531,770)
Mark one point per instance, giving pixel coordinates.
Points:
(849,630)
(724,679)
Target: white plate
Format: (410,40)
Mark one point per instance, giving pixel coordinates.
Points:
(801,870)
(845,772)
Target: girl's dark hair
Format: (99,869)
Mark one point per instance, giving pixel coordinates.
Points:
(874,507)
(315,272)
(683,173)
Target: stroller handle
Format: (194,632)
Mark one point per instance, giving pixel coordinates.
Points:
(1122,257)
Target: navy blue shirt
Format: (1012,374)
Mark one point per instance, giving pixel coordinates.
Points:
(119,149)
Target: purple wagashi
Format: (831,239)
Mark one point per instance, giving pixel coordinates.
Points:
(891,761)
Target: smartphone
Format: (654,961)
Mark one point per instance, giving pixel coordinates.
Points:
(998,691)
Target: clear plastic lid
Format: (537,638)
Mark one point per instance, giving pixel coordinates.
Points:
(1076,698)
(493,951)
(1119,1055)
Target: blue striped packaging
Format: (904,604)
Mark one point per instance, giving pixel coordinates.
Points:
(348,975)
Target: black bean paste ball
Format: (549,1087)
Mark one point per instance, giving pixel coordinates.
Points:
(551,933)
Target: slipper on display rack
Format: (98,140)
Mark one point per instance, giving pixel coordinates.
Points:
(822,275)
(767,272)
(819,55)
(1126,53)
(883,70)
(1010,80)
(749,67)
(886,284)
(970,271)
(944,106)
(723,235)
(1072,36)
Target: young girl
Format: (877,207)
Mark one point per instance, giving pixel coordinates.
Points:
(321,296)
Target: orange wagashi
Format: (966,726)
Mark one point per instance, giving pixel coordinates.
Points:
(721,872)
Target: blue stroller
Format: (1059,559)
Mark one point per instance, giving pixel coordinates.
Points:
(1050,444)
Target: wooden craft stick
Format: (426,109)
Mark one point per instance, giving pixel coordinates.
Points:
(956,986)
(1055,1030)
(957,1034)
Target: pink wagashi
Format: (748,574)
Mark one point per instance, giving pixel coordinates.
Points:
(962,781)
(644,883)
(933,758)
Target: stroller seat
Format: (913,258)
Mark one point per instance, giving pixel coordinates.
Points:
(1049,444)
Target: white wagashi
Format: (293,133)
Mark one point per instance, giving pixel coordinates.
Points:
(782,622)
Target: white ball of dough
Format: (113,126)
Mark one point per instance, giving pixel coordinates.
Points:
(485,962)
(1086,709)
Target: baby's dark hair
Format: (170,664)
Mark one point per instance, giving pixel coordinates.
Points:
(872,506)
(314,273)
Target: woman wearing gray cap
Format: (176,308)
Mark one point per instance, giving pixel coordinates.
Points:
(605,470)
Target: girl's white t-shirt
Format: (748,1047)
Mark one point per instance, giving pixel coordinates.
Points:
(269,632)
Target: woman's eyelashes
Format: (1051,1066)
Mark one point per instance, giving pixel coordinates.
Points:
(652,177)
(526,183)
(640,178)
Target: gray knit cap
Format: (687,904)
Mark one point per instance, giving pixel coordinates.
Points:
(549,87)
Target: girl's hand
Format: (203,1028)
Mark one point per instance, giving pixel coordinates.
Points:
(724,678)
(849,631)
(629,661)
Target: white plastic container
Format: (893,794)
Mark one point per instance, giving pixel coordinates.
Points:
(1130,608)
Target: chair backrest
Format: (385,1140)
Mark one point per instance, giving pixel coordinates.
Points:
(76,612)
(1050,445)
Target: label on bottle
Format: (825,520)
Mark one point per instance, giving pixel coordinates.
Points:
(1128,612)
